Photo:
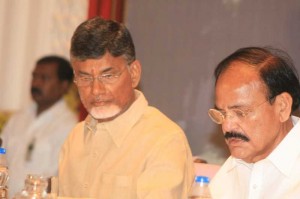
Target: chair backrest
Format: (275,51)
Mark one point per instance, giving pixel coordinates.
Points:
(203,169)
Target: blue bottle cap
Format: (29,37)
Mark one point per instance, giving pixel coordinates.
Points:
(203,179)
(2,151)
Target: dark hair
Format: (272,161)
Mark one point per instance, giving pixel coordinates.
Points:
(275,67)
(64,69)
(96,36)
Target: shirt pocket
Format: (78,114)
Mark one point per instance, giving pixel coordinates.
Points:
(116,186)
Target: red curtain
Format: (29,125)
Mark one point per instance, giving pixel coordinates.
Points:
(107,9)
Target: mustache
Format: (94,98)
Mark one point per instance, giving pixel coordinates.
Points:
(35,90)
(237,135)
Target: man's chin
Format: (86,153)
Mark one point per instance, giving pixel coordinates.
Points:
(103,115)
(238,153)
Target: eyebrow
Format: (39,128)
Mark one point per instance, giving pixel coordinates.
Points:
(107,69)
(233,107)
(80,72)
(83,73)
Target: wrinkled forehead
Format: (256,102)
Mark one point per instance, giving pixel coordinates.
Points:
(97,66)
(240,82)
(106,54)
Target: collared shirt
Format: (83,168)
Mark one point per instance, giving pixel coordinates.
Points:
(139,155)
(275,177)
(33,143)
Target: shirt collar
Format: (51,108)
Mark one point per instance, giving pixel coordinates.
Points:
(233,162)
(119,127)
(287,152)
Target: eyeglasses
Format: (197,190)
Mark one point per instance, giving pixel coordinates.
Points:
(219,116)
(106,78)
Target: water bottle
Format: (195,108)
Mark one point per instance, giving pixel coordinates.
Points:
(200,188)
(35,188)
(3,174)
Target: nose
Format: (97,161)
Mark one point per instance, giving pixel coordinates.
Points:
(98,87)
(229,123)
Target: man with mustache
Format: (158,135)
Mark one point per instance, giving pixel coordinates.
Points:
(124,148)
(256,90)
(34,135)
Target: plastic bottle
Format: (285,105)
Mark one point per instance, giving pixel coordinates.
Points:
(3,174)
(200,188)
(35,188)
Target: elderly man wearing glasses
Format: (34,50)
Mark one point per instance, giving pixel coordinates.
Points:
(124,148)
(256,90)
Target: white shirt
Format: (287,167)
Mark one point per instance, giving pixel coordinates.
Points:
(275,177)
(33,143)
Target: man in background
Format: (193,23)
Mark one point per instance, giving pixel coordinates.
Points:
(124,148)
(256,91)
(33,136)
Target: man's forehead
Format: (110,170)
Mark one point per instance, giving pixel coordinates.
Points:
(240,68)
(238,73)
(46,67)
(239,83)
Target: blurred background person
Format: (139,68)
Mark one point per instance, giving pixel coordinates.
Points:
(34,135)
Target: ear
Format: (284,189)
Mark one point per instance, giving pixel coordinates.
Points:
(135,73)
(284,103)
